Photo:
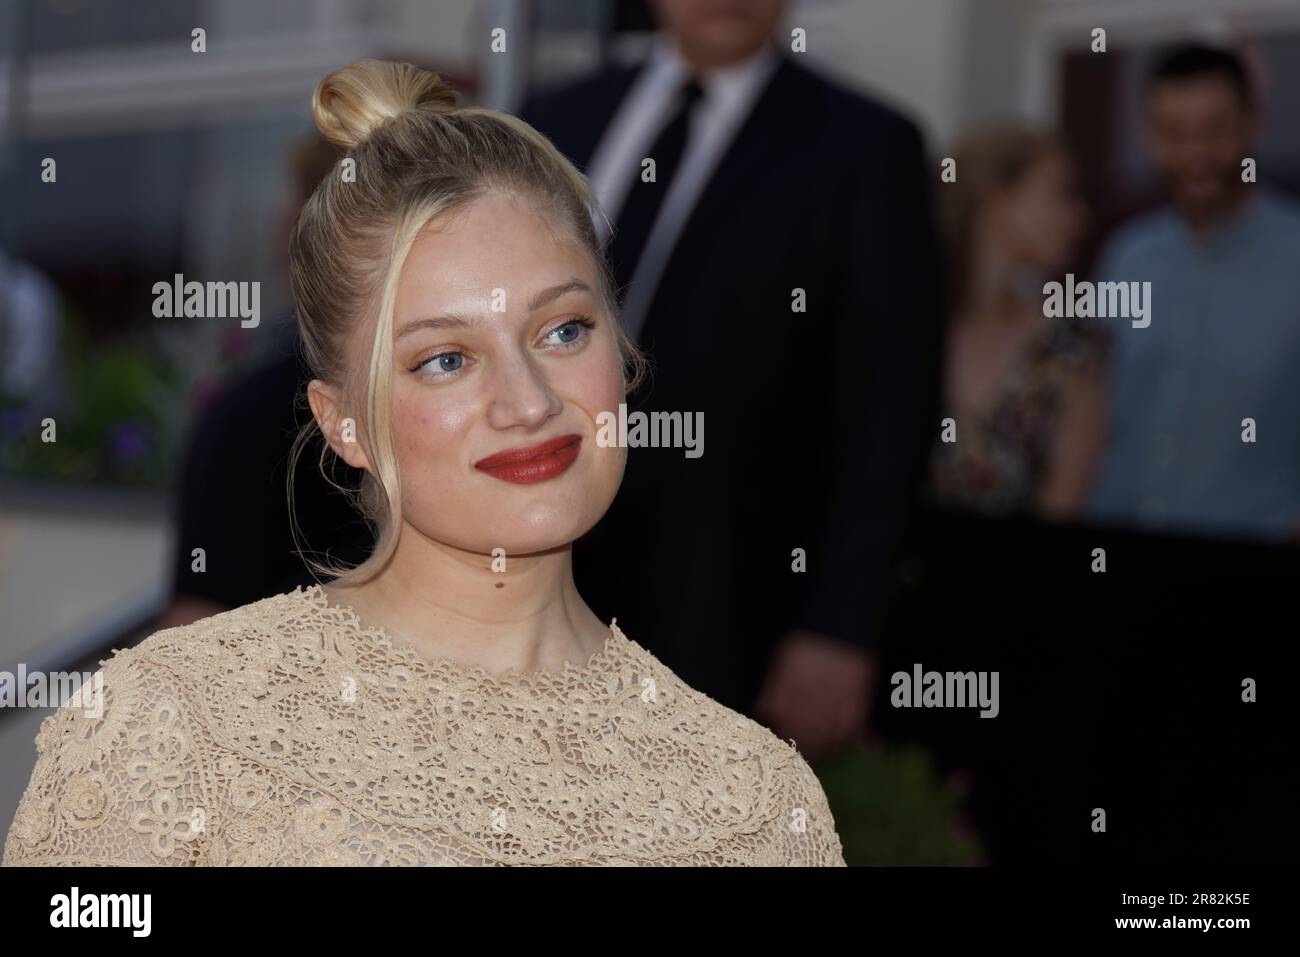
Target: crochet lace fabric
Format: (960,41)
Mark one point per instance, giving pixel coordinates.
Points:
(287,733)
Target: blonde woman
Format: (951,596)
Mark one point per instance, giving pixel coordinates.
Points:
(452,700)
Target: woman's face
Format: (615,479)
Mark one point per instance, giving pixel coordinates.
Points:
(502,360)
(1040,220)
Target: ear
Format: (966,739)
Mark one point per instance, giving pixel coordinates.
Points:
(342,433)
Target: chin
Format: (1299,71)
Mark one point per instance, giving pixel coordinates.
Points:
(1202,192)
(543,527)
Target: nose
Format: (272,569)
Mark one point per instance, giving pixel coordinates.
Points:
(521,394)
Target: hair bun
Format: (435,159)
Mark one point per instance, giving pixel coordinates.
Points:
(351,103)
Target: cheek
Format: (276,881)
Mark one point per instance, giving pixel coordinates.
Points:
(427,431)
(594,387)
(1047,221)
(1025,227)
(1230,150)
(603,381)
(593,382)
(1064,221)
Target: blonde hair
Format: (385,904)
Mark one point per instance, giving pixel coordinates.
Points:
(417,156)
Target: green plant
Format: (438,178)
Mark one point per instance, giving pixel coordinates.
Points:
(115,423)
(890,808)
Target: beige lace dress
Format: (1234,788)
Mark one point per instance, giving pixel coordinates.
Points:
(286,733)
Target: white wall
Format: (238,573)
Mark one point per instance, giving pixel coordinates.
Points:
(954,63)
(906,52)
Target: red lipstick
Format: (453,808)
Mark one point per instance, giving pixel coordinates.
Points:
(535,463)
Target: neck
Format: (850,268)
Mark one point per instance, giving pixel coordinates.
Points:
(702,58)
(449,603)
(1203,220)
(993,288)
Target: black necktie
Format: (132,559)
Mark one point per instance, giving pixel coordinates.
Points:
(644,199)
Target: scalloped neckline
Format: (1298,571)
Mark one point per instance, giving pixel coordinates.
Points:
(615,642)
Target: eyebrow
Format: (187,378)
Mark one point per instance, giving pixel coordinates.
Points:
(454,320)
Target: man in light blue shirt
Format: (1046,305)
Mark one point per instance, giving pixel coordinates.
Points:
(1205,400)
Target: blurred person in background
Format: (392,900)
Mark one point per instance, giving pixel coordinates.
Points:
(1223,344)
(783,273)
(30,367)
(1026,392)
(231,498)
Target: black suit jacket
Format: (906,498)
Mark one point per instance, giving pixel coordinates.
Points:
(816,423)
(232,500)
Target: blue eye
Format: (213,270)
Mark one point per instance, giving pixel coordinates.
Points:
(572,332)
(571,329)
(442,365)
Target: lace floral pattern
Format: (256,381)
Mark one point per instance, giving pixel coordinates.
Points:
(284,732)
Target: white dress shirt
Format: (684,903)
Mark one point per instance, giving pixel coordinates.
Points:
(729,95)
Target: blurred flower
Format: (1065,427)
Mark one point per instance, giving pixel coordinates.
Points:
(129,442)
(13,420)
(234,343)
(205,390)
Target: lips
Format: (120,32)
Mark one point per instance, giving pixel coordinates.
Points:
(534,463)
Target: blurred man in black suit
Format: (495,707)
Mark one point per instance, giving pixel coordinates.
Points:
(780,266)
